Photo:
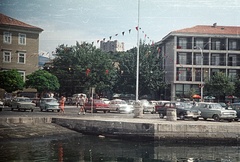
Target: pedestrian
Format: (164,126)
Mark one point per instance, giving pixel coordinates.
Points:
(228,105)
(61,105)
(81,104)
(77,101)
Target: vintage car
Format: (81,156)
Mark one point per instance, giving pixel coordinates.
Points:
(215,111)
(160,104)
(22,103)
(183,110)
(119,106)
(48,104)
(96,105)
(147,107)
(236,107)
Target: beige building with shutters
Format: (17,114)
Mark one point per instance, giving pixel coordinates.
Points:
(19,45)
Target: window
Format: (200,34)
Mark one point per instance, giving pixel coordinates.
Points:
(198,58)
(199,43)
(7,37)
(215,59)
(21,58)
(232,45)
(22,73)
(22,39)
(182,58)
(232,60)
(182,44)
(6,56)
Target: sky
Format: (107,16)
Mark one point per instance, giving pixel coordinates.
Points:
(68,21)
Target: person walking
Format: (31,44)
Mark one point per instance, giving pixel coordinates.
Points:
(61,105)
(81,104)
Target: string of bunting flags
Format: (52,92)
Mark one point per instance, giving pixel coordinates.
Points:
(123,33)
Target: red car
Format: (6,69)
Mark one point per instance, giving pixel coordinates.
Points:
(97,105)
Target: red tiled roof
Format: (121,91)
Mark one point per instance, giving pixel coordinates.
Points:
(8,21)
(214,29)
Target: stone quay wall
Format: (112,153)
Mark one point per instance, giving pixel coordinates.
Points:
(143,129)
(167,131)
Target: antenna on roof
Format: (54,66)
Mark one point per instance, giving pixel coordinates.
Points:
(214,25)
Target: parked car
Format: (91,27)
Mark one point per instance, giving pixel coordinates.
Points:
(1,105)
(147,107)
(236,107)
(120,106)
(96,105)
(214,111)
(105,100)
(48,104)
(22,103)
(160,104)
(183,110)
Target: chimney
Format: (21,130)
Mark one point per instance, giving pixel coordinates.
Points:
(214,25)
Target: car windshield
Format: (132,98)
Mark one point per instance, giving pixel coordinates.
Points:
(24,100)
(184,105)
(50,100)
(98,101)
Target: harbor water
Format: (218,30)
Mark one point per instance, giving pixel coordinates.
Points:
(86,148)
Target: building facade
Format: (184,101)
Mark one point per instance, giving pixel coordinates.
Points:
(112,46)
(19,46)
(193,55)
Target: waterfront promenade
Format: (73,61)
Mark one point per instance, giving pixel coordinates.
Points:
(16,124)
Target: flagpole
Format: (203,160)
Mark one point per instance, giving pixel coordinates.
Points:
(137,72)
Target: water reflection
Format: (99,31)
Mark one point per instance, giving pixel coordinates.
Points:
(91,148)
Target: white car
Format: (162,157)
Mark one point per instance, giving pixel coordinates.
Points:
(22,103)
(147,107)
(120,106)
(49,104)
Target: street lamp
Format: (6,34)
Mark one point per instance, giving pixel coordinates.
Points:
(201,71)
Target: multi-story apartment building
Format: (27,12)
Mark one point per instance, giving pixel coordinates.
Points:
(112,46)
(193,55)
(19,45)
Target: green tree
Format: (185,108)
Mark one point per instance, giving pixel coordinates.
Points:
(43,81)
(237,86)
(82,66)
(11,81)
(219,86)
(150,71)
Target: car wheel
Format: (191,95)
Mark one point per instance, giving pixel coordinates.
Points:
(11,109)
(31,110)
(196,119)
(58,110)
(235,119)
(118,111)
(41,109)
(161,116)
(230,120)
(52,110)
(216,118)
(181,116)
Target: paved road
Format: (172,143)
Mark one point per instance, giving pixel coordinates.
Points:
(70,111)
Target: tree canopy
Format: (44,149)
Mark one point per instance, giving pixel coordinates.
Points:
(11,81)
(43,81)
(219,85)
(80,67)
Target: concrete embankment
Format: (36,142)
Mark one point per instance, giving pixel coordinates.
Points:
(138,129)
(164,131)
